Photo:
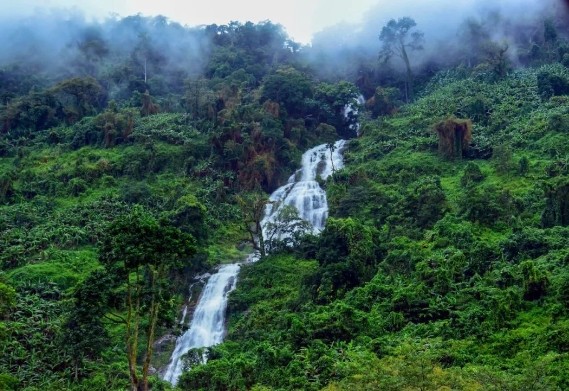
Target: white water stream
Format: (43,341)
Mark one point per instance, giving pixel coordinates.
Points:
(303,191)
(208,322)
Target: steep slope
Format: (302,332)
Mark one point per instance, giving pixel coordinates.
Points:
(432,271)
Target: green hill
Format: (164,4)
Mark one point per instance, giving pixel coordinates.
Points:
(444,264)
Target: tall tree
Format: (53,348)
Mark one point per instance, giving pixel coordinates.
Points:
(141,251)
(398,40)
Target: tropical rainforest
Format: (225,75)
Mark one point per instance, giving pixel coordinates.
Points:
(136,153)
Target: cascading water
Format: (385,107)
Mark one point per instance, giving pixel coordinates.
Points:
(351,113)
(303,190)
(208,322)
(304,193)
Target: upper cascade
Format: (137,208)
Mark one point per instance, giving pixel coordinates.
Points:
(303,190)
(352,111)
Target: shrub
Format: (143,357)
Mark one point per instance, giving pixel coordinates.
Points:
(472,174)
(551,84)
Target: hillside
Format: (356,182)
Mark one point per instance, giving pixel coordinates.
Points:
(432,272)
(130,166)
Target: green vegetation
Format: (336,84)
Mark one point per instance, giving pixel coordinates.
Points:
(443,265)
(431,274)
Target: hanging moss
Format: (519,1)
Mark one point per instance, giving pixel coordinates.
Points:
(454,136)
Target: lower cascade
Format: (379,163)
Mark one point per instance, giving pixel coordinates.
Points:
(208,322)
(302,191)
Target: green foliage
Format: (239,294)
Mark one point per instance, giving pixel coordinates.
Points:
(79,97)
(286,230)
(503,159)
(332,100)
(397,38)
(472,175)
(141,251)
(385,101)
(62,269)
(557,204)
(290,88)
(431,274)
(425,202)
(552,82)
(347,255)
(7,299)
(523,166)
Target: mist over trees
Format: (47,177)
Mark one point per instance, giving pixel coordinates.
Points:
(455,33)
(136,53)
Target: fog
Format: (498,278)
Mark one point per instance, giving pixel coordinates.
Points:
(65,42)
(445,24)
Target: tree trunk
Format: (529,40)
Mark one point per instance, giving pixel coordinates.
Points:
(154,307)
(332,148)
(409,76)
(260,238)
(133,319)
(145,70)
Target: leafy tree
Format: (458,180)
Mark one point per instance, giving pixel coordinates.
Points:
(472,175)
(85,334)
(523,166)
(333,101)
(189,216)
(148,107)
(141,251)
(550,83)
(290,88)
(79,97)
(92,50)
(425,203)
(348,255)
(35,111)
(146,55)
(503,159)
(556,211)
(286,230)
(200,99)
(398,39)
(384,101)
(472,36)
(7,300)
(496,59)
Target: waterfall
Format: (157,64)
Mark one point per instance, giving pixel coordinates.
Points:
(207,327)
(351,113)
(303,190)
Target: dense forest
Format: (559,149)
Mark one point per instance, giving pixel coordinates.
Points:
(136,153)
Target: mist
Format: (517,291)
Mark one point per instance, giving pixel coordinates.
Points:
(161,53)
(448,27)
(63,43)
